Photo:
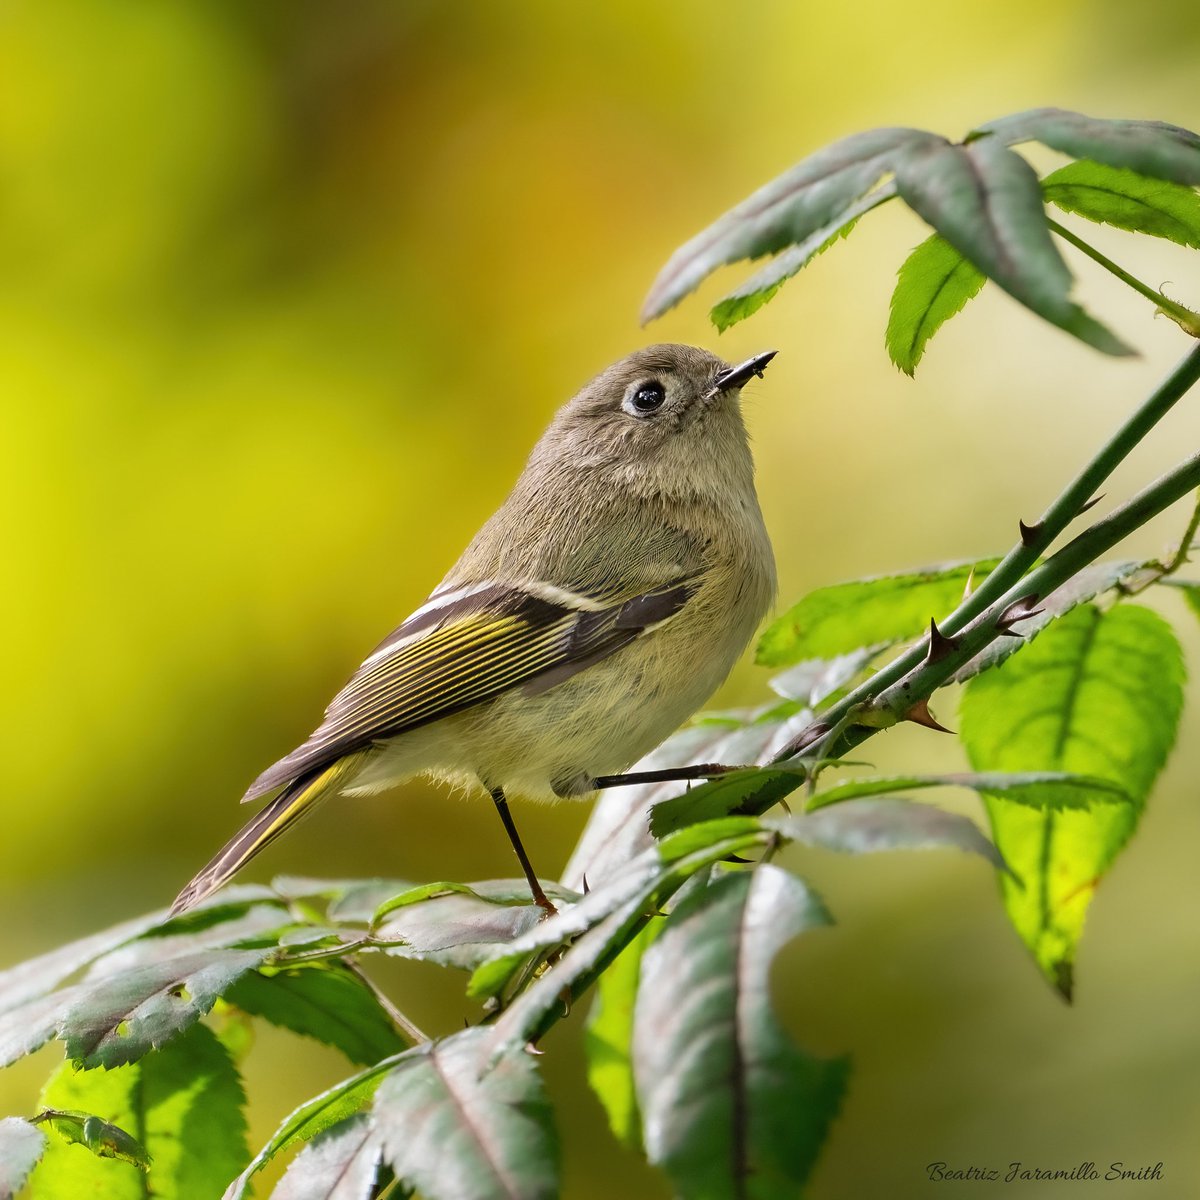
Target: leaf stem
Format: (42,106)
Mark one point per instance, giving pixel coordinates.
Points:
(1184,317)
(1025,553)
(406,1027)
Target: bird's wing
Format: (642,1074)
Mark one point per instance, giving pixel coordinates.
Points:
(466,646)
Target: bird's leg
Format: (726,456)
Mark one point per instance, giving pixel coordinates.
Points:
(668,775)
(539,897)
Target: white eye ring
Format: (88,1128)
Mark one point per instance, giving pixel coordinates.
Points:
(644,399)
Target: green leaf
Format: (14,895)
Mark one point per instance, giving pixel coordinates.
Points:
(1082,586)
(631,886)
(343,1163)
(29,1027)
(986,201)
(21,1146)
(731,1107)
(463,926)
(1151,148)
(455,1130)
(38,976)
(868,826)
(182,1106)
(1191,593)
(761,287)
(812,195)
(326,1002)
(1115,196)
(244,928)
(333,1106)
(623,911)
(723,796)
(1041,789)
(117,1019)
(102,1138)
(935,283)
(608,1039)
(867,612)
(618,831)
(1096,694)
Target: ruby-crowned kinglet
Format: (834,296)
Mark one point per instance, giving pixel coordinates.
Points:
(601,605)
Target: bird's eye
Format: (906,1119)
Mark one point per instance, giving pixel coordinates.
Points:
(645,399)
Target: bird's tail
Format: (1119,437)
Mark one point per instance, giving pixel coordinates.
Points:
(298,798)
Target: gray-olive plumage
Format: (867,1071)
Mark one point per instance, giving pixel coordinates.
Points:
(598,608)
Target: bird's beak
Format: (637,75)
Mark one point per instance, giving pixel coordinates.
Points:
(734,377)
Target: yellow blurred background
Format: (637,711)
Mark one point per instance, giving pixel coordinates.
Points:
(287,290)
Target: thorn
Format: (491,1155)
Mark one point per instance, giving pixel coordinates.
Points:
(736,858)
(970,584)
(1029,533)
(586,889)
(565,999)
(1092,503)
(919,714)
(940,646)
(531,1048)
(806,737)
(1020,609)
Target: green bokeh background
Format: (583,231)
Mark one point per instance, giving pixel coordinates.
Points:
(287,290)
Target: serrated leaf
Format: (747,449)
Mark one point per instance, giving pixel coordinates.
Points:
(986,201)
(102,1138)
(38,976)
(182,1105)
(326,1002)
(934,284)
(815,680)
(786,211)
(1116,196)
(21,1146)
(730,1106)
(1041,789)
(455,1130)
(608,1039)
(464,926)
(1149,147)
(867,826)
(119,1018)
(875,612)
(30,1026)
(723,796)
(242,927)
(618,830)
(1096,694)
(623,912)
(761,287)
(343,1163)
(325,1111)
(1083,586)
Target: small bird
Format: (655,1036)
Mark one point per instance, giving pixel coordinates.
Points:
(599,607)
